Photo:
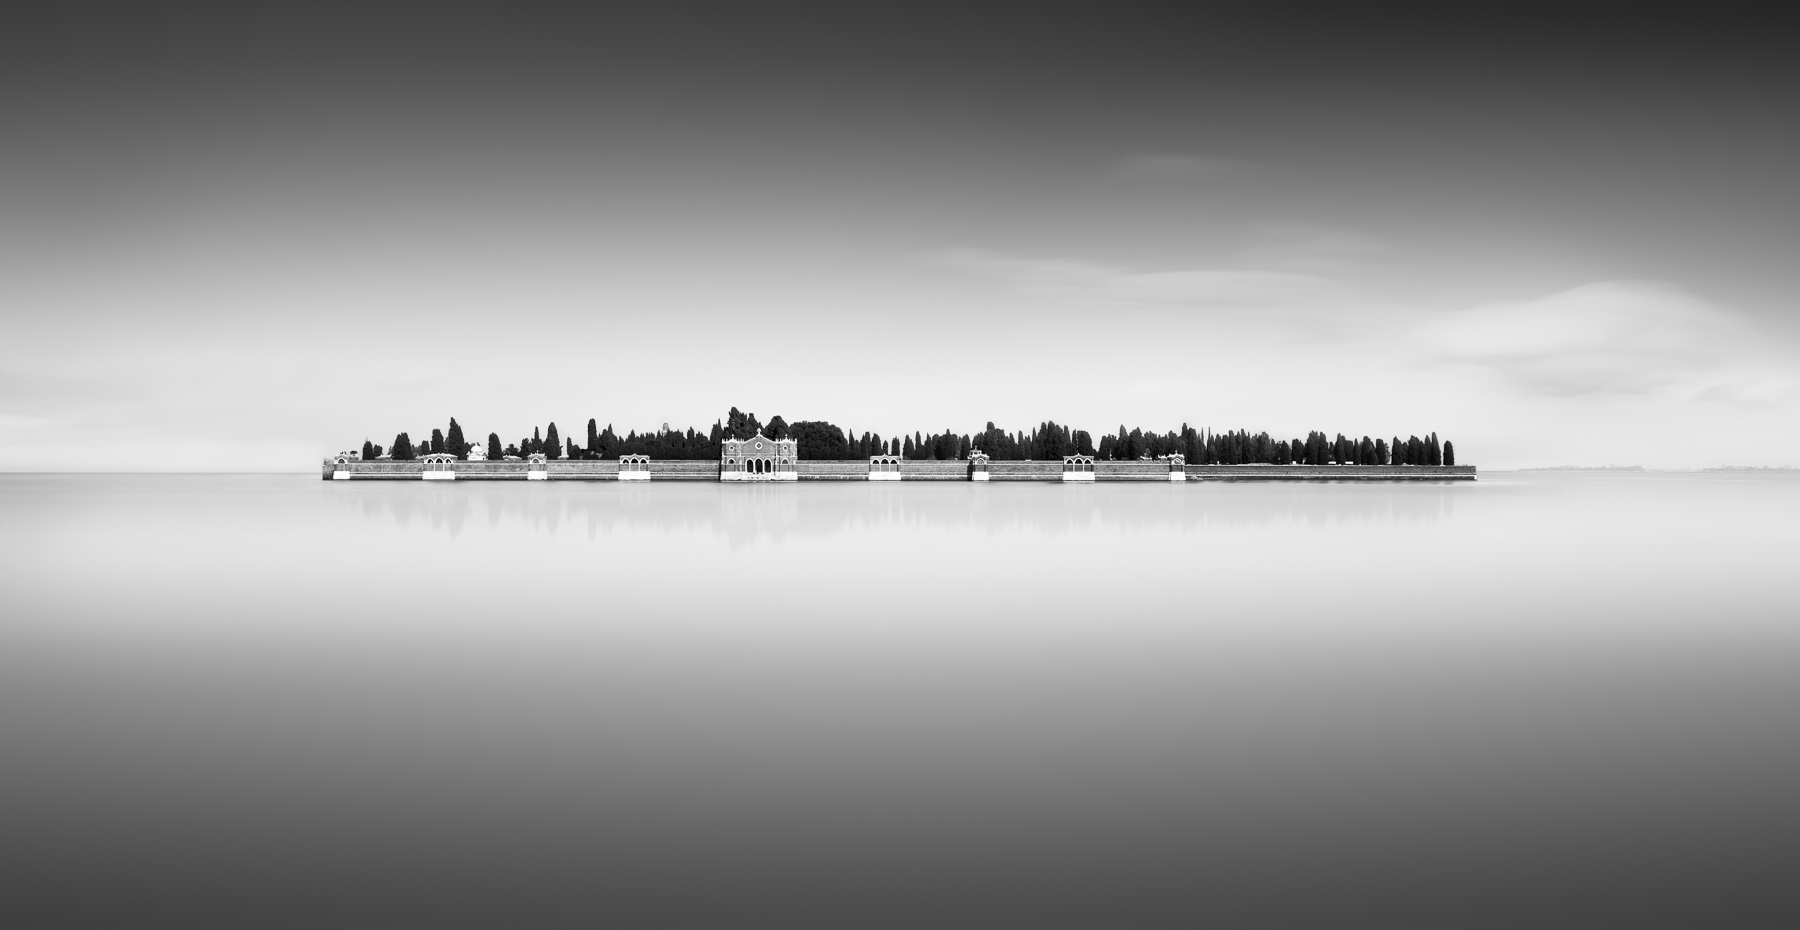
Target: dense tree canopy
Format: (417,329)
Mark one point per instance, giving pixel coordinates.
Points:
(741,425)
(1048,441)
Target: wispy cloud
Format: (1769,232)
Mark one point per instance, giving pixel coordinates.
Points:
(1620,337)
(1610,337)
(1201,288)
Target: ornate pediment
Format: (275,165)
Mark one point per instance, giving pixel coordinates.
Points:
(757,445)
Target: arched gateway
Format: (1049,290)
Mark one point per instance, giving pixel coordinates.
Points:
(634,468)
(758,458)
(438,466)
(884,468)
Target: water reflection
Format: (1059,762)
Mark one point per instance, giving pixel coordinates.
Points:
(1573,700)
(742,514)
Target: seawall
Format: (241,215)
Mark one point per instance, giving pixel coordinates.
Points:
(1330,472)
(858,470)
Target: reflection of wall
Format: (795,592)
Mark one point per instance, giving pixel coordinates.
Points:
(741,514)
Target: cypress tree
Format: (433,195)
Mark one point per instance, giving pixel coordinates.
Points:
(552,444)
(593,438)
(368,450)
(437,442)
(1449,453)
(495,453)
(453,441)
(403,448)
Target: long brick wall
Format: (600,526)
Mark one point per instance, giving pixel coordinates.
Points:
(853,470)
(683,470)
(1329,472)
(1025,471)
(1131,471)
(934,471)
(858,470)
(480,471)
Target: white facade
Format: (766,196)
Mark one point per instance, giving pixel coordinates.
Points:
(1177,467)
(477,454)
(439,466)
(634,468)
(535,469)
(340,465)
(884,468)
(1078,468)
(758,458)
(978,465)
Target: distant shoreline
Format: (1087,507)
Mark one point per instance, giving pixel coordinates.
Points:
(1640,468)
(1583,468)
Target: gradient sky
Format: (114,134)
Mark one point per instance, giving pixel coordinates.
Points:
(237,238)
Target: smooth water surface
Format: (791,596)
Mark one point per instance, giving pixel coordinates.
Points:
(1536,700)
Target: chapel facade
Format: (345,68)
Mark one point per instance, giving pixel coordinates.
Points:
(758,458)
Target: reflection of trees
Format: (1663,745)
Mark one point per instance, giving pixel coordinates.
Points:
(743,515)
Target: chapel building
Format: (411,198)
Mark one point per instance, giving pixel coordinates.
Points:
(758,458)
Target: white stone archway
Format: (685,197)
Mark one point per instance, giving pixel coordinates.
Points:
(634,468)
(438,466)
(1078,468)
(884,468)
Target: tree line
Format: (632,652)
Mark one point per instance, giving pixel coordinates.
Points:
(1048,441)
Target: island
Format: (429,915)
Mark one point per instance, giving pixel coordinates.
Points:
(742,449)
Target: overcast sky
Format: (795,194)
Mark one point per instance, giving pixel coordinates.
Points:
(241,239)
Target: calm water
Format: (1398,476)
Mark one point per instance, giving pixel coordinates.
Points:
(1539,700)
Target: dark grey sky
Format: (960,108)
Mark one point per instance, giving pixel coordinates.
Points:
(1555,233)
